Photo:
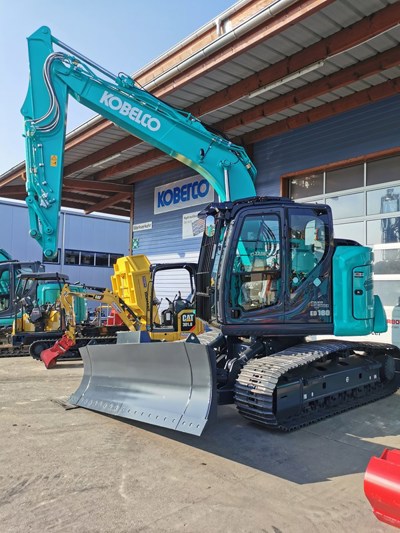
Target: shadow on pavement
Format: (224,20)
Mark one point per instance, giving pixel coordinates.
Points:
(335,447)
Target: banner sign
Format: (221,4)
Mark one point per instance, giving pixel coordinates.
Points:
(143,226)
(181,194)
(192,226)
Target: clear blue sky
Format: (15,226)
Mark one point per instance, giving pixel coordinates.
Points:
(120,35)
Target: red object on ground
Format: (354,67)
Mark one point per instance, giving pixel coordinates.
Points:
(49,356)
(382,486)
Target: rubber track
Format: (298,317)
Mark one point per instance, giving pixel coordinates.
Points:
(14,351)
(256,384)
(23,351)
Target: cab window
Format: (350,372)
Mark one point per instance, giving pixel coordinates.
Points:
(308,245)
(256,275)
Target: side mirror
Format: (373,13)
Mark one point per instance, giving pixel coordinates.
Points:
(209,229)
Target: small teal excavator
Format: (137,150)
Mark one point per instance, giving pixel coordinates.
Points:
(270,275)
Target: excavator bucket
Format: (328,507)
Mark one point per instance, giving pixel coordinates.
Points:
(382,486)
(171,385)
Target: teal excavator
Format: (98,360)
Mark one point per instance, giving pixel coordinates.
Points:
(270,275)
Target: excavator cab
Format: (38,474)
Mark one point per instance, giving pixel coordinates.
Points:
(10,288)
(279,267)
(179,316)
(146,289)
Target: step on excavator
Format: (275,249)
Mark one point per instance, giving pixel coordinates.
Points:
(270,275)
(134,307)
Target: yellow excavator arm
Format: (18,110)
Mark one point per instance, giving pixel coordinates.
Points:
(128,317)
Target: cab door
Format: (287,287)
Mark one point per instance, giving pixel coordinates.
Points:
(308,298)
(253,274)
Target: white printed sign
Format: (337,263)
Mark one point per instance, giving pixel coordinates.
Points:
(192,226)
(183,193)
(143,226)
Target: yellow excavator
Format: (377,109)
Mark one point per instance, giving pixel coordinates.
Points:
(134,307)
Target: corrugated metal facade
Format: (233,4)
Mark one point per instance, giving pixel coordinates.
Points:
(164,243)
(84,233)
(362,131)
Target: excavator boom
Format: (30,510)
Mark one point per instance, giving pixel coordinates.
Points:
(56,75)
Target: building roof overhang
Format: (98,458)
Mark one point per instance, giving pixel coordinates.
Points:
(258,70)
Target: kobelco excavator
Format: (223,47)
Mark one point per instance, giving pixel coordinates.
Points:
(270,274)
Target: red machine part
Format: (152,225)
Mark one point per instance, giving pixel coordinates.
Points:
(49,356)
(382,486)
(114,319)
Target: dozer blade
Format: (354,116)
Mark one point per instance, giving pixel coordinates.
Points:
(171,385)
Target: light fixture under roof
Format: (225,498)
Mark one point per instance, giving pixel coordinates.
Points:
(286,79)
(106,160)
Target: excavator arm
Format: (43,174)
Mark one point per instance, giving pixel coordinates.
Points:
(54,75)
(68,340)
(128,317)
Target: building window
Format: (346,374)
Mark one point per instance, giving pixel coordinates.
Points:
(365,203)
(307,186)
(102,259)
(348,203)
(72,257)
(87,258)
(383,170)
(344,178)
(113,258)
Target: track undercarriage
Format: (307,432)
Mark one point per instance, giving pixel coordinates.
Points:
(38,346)
(312,381)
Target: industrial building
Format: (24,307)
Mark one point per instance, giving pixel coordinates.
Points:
(88,245)
(308,87)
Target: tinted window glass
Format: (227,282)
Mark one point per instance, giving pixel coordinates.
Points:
(383,170)
(307,246)
(345,178)
(257,266)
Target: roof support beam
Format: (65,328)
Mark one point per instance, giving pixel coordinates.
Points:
(108,202)
(103,153)
(14,176)
(377,23)
(95,186)
(322,86)
(70,202)
(368,96)
(13,189)
(277,24)
(128,164)
(155,171)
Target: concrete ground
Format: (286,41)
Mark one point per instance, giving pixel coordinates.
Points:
(76,470)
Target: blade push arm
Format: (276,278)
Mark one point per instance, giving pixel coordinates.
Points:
(55,75)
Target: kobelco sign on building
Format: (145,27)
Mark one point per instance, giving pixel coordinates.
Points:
(182,193)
